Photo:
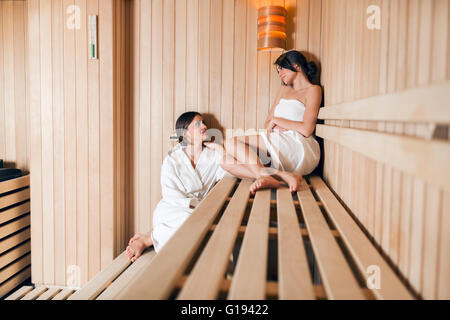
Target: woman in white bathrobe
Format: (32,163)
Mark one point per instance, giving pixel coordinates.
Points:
(289,138)
(188,173)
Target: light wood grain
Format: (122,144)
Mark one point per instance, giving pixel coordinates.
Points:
(293,271)
(250,274)
(336,275)
(156,282)
(204,280)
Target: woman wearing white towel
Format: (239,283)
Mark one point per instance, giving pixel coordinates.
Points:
(188,173)
(290,124)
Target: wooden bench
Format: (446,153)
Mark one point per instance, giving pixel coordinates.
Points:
(308,227)
(15,257)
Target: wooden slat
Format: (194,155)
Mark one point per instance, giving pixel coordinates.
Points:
(14,198)
(204,280)
(63,294)
(8,243)
(102,280)
(337,277)
(293,272)
(363,252)
(35,293)
(428,160)
(424,104)
(14,226)
(49,294)
(250,274)
(157,281)
(132,271)
(14,268)
(14,254)
(13,184)
(18,294)
(14,212)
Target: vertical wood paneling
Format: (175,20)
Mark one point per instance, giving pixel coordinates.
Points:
(82,143)
(203,59)
(70,151)
(215,59)
(14,110)
(180,53)
(156,98)
(226,118)
(251,64)
(239,74)
(58,140)
(2,93)
(192,55)
(77,122)
(8,85)
(36,147)
(20,107)
(94,155)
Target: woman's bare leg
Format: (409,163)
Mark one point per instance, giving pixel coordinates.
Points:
(245,150)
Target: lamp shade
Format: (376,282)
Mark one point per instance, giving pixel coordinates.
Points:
(271,27)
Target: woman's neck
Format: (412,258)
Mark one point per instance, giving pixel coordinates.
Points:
(300,83)
(194,151)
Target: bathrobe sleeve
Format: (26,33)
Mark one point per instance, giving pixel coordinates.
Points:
(173,189)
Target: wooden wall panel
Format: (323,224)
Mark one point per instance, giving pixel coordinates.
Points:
(77,139)
(14,134)
(400,211)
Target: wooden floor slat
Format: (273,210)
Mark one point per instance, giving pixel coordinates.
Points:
(20,293)
(249,280)
(204,280)
(102,280)
(161,276)
(63,294)
(362,250)
(293,272)
(336,274)
(49,294)
(35,293)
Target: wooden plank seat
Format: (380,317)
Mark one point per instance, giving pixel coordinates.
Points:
(311,229)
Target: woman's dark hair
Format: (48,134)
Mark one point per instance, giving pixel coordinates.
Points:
(291,58)
(183,123)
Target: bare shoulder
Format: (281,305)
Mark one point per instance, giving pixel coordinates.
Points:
(315,90)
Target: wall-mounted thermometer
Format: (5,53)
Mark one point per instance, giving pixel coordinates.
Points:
(93,37)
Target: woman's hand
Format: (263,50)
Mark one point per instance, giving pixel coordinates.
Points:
(270,125)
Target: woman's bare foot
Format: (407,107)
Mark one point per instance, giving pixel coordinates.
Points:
(265,182)
(137,245)
(292,180)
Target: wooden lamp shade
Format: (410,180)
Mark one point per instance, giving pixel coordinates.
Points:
(271,27)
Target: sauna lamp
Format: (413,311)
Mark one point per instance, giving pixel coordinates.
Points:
(271,27)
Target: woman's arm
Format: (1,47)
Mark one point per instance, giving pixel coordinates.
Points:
(307,127)
(272,109)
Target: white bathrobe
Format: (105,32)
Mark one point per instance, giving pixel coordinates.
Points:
(182,187)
